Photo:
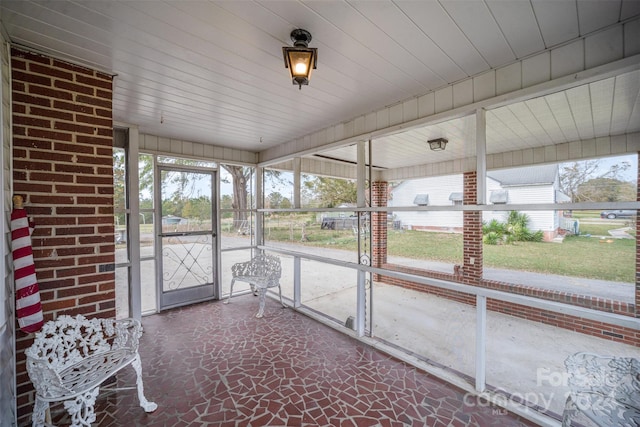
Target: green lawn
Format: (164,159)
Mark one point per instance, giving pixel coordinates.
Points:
(596,229)
(611,259)
(585,214)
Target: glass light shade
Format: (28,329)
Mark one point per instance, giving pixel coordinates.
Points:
(300,61)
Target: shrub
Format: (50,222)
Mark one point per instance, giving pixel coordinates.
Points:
(491,238)
(493,226)
(514,230)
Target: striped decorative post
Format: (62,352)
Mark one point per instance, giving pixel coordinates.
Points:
(28,306)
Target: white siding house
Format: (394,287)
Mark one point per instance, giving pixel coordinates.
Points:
(524,185)
(435,191)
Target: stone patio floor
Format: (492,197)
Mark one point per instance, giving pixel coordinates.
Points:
(217,365)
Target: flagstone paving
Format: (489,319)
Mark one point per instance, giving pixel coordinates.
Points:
(217,365)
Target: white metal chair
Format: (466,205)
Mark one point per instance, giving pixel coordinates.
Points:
(262,272)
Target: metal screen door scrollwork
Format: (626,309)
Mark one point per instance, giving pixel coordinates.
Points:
(187,261)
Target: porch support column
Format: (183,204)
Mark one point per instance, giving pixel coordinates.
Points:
(637,251)
(481,342)
(361,174)
(297,162)
(472,271)
(475,194)
(135,285)
(361,296)
(481,156)
(259,205)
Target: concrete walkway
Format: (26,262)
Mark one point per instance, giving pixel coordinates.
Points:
(621,233)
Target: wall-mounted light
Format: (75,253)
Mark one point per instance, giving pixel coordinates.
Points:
(300,59)
(438,144)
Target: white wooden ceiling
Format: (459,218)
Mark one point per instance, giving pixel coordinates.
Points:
(606,107)
(212,71)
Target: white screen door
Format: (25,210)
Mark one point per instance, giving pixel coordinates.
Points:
(186,236)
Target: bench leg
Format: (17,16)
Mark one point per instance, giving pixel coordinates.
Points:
(262,294)
(230,291)
(570,410)
(40,408)
(280,293)
(81,408)
(144,403)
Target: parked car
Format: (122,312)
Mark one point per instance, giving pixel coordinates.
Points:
(618,213)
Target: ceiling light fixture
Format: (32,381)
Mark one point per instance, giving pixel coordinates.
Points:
(300,59)
(437,144)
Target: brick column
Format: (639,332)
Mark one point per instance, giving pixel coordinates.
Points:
(63,166)
(379,196)
(472,233)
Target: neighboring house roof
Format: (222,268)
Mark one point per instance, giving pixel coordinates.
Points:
(527,175)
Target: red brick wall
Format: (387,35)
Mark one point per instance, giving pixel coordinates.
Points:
(589,327)
(472,232)
(379,197)
(62,165)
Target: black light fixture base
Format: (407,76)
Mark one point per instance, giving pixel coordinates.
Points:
(300,59)
(300,37)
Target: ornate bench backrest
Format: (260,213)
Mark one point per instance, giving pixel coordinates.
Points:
(262,265)
(613,378)
(67,340)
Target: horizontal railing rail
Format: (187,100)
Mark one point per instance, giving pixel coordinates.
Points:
(557,307)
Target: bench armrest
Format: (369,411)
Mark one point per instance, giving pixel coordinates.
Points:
(127,333)
(241,268)
(45,379)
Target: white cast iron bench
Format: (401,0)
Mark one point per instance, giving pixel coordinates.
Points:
(262,272)
(605,389)
(72,356)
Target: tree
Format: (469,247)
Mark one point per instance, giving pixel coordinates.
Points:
(145,172)
(240,177)
(332,192)
(119,175)
(575,174)
(274,200)
(199,208)
(184,186)
(606,190)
